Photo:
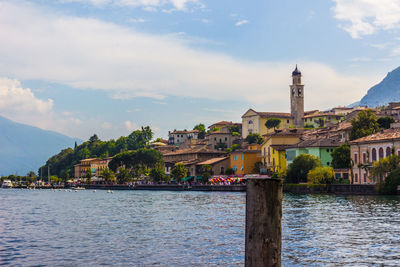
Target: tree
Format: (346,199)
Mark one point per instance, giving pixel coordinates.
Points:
(299,168)
(157,174)
(179,171)
(139,138)
(384,122)
(206,175)
(200,127)
(392,181)
(234,129)
(123,176)
(341,157)
(321,175)
(364,124)
(108,175)
(94,139)
(384,166)
(272,123)
(254,138)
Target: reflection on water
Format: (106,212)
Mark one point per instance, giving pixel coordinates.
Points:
(189,228)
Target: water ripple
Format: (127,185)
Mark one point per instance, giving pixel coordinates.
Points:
(141,228)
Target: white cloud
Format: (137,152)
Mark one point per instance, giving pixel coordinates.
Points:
(137,20)
(396,51)
(365,17)
(15,99)
(241,22)
(21,105)
(130,126)
(92,54)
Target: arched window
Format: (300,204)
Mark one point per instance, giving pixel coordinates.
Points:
(250,122)
(381,156)
(356,177)
(373,154)
(388,151)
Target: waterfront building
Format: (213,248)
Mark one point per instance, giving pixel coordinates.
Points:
(179,137)
(218,165)
(221,138)
(95,165)
(190,157)
(321,148)
(273,149)
(366,150)
(243,161)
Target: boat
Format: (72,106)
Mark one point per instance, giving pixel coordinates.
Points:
(78,188)
(7,184)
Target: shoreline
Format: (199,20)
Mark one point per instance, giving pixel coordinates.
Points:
(335,189)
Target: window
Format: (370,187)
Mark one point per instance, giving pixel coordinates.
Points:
(273,161)
(355,158)
(242,156)
(364,157)
(365,178)
(356,177)
(234,168)
(265,151)
(250,122)
(226,138)
(215,138)
(373,154)
(381,156)
(241,168)
(388,151)
(222,170)
(287,121)
(328,163)
(234,157)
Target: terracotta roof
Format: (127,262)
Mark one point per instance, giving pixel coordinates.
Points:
(280,147)
(322,142)
(185,132)
(274,114)
(247,151)
(212,161)
(310,112)
(389,134)
(193,151)
(286,131)
(188,162)
(322,115)
(224,123)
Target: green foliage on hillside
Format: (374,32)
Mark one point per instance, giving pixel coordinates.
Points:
(62,164)
(202,128)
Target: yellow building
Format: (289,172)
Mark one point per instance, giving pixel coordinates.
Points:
(254,122)
(94,165)
(243,161)
(273,150)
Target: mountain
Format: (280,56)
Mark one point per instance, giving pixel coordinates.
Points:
(25,148)
(388,90)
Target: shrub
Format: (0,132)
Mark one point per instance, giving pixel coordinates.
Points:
(299,168)
(389,186)
(321,175)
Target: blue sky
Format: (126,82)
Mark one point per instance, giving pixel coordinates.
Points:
(110,66)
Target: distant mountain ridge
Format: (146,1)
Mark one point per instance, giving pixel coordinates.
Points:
(388,90)
(25,148)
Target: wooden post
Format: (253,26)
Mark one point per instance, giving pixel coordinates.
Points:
(263,222)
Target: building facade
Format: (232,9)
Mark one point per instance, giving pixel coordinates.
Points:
(243,161)
(93,165)
(179,137)
(367,150)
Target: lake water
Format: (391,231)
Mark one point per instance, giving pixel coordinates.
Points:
(141,228)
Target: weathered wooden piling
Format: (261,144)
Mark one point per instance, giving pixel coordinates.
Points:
(263,222)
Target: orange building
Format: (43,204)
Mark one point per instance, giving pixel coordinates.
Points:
(94,165)
(243,161)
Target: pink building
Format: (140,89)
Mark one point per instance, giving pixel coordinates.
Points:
(366,150)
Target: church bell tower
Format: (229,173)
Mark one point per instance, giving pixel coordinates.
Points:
(297,98)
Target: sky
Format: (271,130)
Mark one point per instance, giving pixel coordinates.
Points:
(108,67)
